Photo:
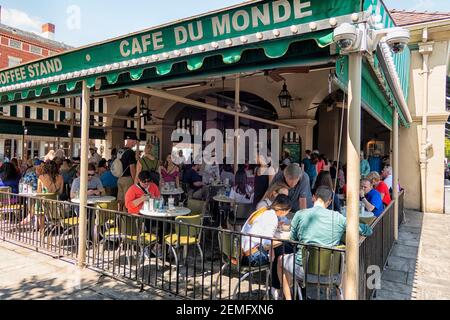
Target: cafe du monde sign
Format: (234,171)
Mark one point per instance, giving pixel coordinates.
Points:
(234,22)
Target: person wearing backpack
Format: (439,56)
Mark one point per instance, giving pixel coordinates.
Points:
(124,168)
(148,163)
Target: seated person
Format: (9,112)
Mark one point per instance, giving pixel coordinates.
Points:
(242,192)
(227,173)
(109,181)
(380,186)
(263,223)
(32,174)
(9,177)
(196,183)
(95,186)
(169,172)
(136,195)
(50,181)
(371,198)
(313,226)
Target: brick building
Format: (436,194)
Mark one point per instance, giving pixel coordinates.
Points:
(19,134)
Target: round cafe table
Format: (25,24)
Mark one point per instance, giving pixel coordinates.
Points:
(95,200)
(93,225)
(175,193)
(165,213)
(223,199)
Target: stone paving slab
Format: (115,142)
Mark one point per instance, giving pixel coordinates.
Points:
(419,264)
(29,275)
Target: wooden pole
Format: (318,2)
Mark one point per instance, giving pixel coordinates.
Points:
(82,227)
(353,177)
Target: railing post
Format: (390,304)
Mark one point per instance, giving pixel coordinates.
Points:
(82,222)
(395,172)
(353,176)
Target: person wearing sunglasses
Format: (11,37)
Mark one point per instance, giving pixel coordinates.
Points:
(95,186)
(136,195)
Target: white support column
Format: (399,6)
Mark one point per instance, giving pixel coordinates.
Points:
(2,146)
(353,177)
(236,123)
(83,176)
(13,148)
(395,169)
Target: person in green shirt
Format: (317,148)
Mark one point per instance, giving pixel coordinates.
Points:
(315,226)
(364,166)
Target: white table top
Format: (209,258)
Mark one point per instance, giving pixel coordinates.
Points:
(94,200)
(178,212)
(284,235)
(224,199)
(173,192)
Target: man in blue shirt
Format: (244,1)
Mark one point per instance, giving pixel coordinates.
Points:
(108,180)
(371,198)
(106,177)
(318,226)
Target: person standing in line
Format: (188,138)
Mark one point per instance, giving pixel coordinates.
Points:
(149,163)
(128,160)
(364,166)
(264,175)
(94,157)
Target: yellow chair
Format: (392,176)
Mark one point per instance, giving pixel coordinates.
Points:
(230,246)
(132,234)
(6,207)
(324,268)
(197,207)
(185,236)
(54,217)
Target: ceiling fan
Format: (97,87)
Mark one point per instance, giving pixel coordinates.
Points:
(277,74)
(146,112)
(330,102)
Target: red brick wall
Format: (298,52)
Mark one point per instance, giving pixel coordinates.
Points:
(23,54)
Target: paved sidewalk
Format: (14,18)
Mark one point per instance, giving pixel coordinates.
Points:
(418,268)
(30,275)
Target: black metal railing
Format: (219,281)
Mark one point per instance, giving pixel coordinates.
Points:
(374,250)
(40,221)
(182,257)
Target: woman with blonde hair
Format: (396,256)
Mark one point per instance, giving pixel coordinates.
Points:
(380,186)
(50,156)
(273,191)
(148,163)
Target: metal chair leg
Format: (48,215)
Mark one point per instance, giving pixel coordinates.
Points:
(245,276)
(216,285)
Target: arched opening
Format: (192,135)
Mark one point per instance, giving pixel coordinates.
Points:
(185,116)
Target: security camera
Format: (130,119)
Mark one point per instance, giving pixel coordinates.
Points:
(397,39)
(346,36)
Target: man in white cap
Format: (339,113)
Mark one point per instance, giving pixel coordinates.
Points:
(94,157)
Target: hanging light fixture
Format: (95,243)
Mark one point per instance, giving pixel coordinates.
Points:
(285,98)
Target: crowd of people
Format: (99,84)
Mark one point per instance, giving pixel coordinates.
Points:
(307,196)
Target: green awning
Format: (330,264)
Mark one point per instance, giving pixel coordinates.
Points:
(272,26)
(43,130)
